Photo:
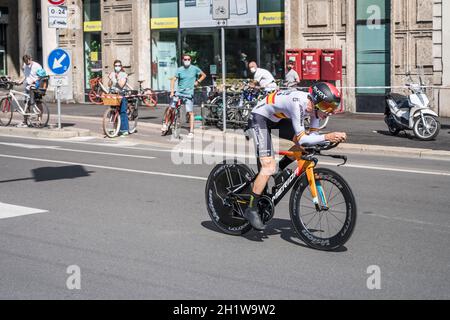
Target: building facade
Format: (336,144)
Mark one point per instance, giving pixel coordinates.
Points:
(381,41)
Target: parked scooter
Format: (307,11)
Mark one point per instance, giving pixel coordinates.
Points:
(412,112)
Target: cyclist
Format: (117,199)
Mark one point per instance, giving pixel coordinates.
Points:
(188,76)
(286,111)
(30,70)
(118,80)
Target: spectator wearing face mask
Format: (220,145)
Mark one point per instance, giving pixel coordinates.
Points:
(188,77)
(263,76)
(117,81)
(292,78)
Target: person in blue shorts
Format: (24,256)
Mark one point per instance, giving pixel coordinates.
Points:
(188,77)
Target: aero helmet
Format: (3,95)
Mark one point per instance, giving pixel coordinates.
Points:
(325,96)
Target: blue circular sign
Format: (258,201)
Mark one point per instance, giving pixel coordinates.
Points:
(59,61)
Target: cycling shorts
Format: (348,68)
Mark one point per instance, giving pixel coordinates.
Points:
(261,130)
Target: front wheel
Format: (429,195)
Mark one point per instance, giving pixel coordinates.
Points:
(150,98)
(227,213)
(133,118)
(111,122)
(426,129)
(330,227)
(6,112)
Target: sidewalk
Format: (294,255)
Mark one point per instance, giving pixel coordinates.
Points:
(367,133)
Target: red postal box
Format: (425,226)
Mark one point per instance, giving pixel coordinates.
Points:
(311,64)
(296,56)
(331,65)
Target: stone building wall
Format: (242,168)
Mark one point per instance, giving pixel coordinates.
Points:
(418,37)
(325,24)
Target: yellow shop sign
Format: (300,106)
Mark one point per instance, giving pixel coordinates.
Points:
(164,23)
(92,26)
(266,18)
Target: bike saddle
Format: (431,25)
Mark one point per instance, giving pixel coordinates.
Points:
(141,81)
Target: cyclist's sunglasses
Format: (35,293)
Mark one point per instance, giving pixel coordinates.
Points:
(187,59)
(327,107)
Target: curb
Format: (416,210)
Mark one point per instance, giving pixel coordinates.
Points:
(45,133)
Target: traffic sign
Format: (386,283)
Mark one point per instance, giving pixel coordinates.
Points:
(56,2)
(221,9)
(59,61)
(59,81)
(57,17)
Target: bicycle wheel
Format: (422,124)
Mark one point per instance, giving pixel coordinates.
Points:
(6,112)
(176,124)
(225,213)
(95,95)
(150,98)
(133,117)
(111,122)
(40,115)
(328,229)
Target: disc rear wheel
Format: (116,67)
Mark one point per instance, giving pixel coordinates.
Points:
(226,212)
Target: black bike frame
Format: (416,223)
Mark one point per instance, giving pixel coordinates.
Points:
(280,192)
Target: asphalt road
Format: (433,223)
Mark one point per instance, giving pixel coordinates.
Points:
(361,128)
(136,226)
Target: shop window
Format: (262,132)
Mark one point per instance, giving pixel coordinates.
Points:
(272,51)
(92,10)
(205,48)
(373,53)
(92,40)
(373,45)
(240,49)
(165,58)
(164,8)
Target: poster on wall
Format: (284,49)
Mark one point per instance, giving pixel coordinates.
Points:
(198,13)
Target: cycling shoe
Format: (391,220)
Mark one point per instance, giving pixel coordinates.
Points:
(252,215)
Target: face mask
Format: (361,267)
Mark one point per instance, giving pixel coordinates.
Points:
(187,63)
(253,70)
(118,69)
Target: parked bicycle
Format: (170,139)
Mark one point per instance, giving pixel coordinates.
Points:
(111,117)
(322,205)
(36,116)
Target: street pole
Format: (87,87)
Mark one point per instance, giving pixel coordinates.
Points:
(58,88)
(224,98)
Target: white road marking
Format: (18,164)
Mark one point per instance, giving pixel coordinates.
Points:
(357,166)
(232,156)
(36,147)
(154,173)
(11,211)
(27,146)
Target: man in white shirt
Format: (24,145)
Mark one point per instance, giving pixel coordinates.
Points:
(263,76)
(30,69)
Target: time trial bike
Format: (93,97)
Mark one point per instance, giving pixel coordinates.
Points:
(322,205)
